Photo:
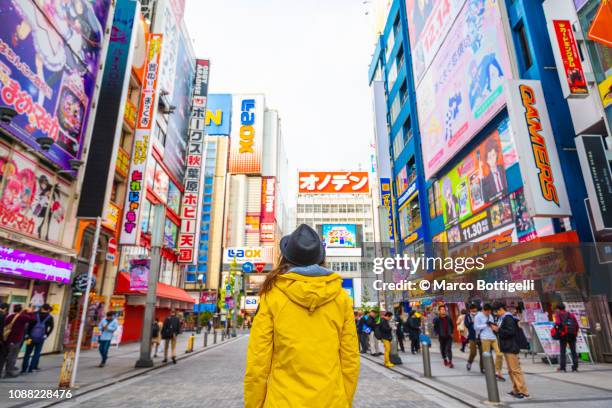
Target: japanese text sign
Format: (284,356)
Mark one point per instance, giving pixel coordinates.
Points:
(333,182)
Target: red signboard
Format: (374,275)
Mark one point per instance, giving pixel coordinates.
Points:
(570,57)
(259,267)
(333,182)
(268,199)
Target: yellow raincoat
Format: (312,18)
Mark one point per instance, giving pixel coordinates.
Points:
(303,350)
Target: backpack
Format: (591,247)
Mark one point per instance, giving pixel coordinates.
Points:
(155,329)
(38,332)
(569,326)
(521,339)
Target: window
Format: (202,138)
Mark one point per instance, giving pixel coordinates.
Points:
(395,108)
(399,59)
(407,130)
(403,93)
(114,189)
(398,146)
(410,216)
(300,208)
(411,171)
(160,135)
(206,208)
(391,76)
(524,43)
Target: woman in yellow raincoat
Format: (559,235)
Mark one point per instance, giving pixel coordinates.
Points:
(303,350)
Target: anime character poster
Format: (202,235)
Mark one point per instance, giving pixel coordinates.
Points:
(139,273)
(32,201)
(49,58)
(463,88)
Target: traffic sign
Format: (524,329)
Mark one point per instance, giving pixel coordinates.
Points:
(259,267)
(247,267)
(111,250)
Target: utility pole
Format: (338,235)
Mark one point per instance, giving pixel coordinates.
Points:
(200,286)
(235,276)
(157,235)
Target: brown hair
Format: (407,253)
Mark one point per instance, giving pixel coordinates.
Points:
(282,266)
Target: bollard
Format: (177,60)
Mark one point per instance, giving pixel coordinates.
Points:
(426,360)
(205,339)
(190,341)
(215,337)
(489,367)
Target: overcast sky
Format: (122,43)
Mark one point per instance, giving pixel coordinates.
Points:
(309,57)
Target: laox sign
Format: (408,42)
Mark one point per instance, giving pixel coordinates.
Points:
(247,132)
(243,254)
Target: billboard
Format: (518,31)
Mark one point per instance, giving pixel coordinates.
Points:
(49,61)
(385,201)
(463,88)
(572,77)
(245,254)
(333,182)
(247,134)
(339,235)
(139,273)
(136,190)
(191,207)
(428,23)
(218,115)
(544,190)
(268,206)
(480,178)
(108,124)
(33,266)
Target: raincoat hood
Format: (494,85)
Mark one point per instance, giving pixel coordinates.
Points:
(309,287)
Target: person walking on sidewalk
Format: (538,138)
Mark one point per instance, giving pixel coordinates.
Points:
(155,336)
(3,347)
(170,331)
(373,325)
(567,327)
(413,325)
(386,334)
(399,330)
(38,331)
(107,327)
(485,326)
(14,330)
(363,332)
(463,332)
(473,343)
(302,348)
(443,328)
(508,332)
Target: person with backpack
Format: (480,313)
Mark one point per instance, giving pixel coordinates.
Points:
(38,331)
(413,327)
(386,334)
(473,341)
(509,334)
(14,330)
(567,331)
(399,331)
(170,331)
(374,334)
(107,327)
(443,328)
(363,332)
(484,325)
(155,336)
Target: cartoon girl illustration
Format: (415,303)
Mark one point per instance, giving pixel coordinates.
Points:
(41,205)
(451,200)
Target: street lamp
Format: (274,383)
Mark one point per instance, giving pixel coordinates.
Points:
(201,286)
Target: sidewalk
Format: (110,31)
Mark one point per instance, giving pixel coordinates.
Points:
(120,364)
(590,387)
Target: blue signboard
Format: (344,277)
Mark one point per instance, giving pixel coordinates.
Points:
(385,198)
(218,114)
(247,267)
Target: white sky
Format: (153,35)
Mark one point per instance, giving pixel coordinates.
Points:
(309,57)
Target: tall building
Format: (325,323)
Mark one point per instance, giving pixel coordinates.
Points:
(338,204)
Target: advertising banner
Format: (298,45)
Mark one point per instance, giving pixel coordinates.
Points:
(573,80)
(428,24)
(111,217)
(136,191)
(544,189)
(107,127)
(139,273)
(33,201)
(33,266)
(480,178)
(339,235)
(218,114)
(191,208)
(463,88)
(49,61)
(245,254)
(268,206)
(247,134)
(385,200)
(209,296)
(333,182)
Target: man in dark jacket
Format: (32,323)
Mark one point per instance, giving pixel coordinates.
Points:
(386,333)
(363,331)
(568,326)
(399,332)
(371,326)
(18,322)
(443,328)
(170,331)
(413,325)
(472,340)
(507,333)
(36,334)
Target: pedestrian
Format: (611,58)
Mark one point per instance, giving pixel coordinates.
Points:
(373,325)
(36,334)
(170,331)
(509,344)
(3,347)
(414,331)
(443,327)
(484,325)
(386,334)
(302,348)
(107,327)
(15,326)
(399,331)
(567,329)
(463,331)
(155,336)
(209,324)
(363,332)
(473,342)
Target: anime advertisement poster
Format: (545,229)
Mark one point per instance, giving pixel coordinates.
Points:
(428,23)
(48,68)
(480,178)
(463,89)
(139,273)
(32,202)
(525,227)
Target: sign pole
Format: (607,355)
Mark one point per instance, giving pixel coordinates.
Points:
(159,216)
(92,262)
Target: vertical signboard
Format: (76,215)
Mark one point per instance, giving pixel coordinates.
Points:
(247,134)
(136,188)
(191,207)
(545,191)
(268,203)
(385,201)
(109,120)
(572,78)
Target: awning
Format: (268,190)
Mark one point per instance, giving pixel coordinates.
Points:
(163,291)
